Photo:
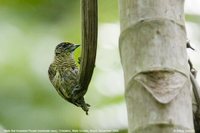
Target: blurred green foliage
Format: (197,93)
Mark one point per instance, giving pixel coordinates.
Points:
(193,18)
(29,32)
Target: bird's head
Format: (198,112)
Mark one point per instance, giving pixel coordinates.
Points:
(65,47)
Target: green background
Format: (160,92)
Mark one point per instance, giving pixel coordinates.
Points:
(29,32)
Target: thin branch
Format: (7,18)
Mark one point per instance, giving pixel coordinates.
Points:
(196,90)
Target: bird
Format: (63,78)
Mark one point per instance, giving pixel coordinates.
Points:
(64,75)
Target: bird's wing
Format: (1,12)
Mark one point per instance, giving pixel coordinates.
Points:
(57,81)
(70,78)
(52,72)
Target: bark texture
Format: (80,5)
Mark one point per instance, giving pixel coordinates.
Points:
(153,55)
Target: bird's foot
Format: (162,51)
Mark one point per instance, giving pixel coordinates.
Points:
(81,103)
(85,106)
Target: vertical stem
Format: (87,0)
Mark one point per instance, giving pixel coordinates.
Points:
(89,41)
(153,54)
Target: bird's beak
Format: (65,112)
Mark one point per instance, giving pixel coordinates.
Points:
(72,48)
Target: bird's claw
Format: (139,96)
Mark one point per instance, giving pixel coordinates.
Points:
(85,107)
(80,102)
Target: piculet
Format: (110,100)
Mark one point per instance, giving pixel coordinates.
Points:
(64,75)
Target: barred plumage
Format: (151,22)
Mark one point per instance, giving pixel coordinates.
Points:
(64,75)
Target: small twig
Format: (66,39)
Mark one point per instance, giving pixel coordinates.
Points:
(196,90)
(189,46)
(195,85)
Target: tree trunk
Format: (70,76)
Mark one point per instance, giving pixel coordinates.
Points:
(153,55)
